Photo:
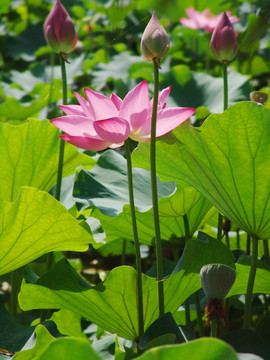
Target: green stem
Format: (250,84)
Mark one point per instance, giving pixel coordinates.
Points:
(154,193)
(199,314)
(225,106)
(248,245)
(60,163)
(51,82)
(187,229)
(237,239)
(187,312)
(220,222)
(227,240)
(251,279)
(225,87)
(62,142)
(214,326)
(136,240)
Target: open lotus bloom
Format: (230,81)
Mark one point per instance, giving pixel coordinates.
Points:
(203,20)
(136,108)
(100,122)
(94,125)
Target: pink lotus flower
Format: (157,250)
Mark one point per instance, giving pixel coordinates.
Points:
(59,30)
(94,124)
(136,108)
(100,122)
(204,20)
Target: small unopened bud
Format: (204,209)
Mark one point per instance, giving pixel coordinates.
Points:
(223,42)
(155,41)
(59,30)
(217,280)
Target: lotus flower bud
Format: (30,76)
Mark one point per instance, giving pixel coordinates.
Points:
(223,42)
(59,30)
(155,41)
(217,280)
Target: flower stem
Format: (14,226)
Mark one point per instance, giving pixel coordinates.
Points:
(154,192)
(62,142)
(220,222)
(199,313)
(225,106)
(187,312)
(227,240)
(46,313)
(237,239)
(248,245)
(61,151)
(214,326)
(187,230)
(225,87)
(136,240)
(251,279)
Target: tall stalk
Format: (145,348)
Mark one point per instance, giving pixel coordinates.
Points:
(225,87)
(154,191)
(214,326)
(248,245)
(225,106)
(62,142)
(251,279)
(136,240)
(46,313)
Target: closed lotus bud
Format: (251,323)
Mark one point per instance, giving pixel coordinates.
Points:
(223,42)
(59,30)
(155,41)
(217,280)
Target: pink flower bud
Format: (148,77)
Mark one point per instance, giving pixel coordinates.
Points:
(59,30)
(223,42)
(155,41)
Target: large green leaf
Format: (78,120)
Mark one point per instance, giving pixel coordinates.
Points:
(106,186)
(49,348)
(227,160)
(112,305)
(36,224)
(262,279)
(29,157)
(202,89)
(171,211)
(14,336)
(203,349)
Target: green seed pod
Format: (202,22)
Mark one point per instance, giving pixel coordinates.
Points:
(217,280)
